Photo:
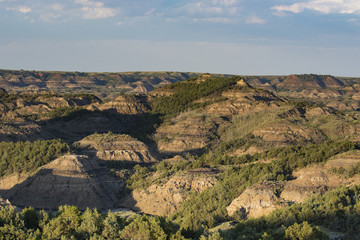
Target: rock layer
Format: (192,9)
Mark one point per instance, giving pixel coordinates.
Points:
(71,179)
(166,199)
(259,200)
(118,147)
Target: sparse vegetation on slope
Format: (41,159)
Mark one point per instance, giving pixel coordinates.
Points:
(337,210)
(209,207)
(202,128)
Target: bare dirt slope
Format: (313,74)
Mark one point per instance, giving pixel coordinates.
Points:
(165,199)
(265,197)
(71,179)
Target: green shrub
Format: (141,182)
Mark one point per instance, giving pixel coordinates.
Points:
(185,93)
(17,157)
(304,231)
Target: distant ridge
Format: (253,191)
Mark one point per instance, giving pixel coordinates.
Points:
(20,81)
(300,82)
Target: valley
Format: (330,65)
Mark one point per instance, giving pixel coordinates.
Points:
(187,152)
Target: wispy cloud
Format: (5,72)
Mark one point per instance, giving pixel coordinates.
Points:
(65,9)
(57,7)
(220,11)
(213,19)
(130,12)
(95,10)
(323,6)
(22,9)
(254,20)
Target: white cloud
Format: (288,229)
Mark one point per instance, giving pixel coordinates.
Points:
(95,10)
(211,7)
(255,20)
(213,19)
(22,9)
(64,10)
(202,8)
(225,2)
(323,6)
(95,13)
(150,12)
(90,3)
(218,11)
(57,7)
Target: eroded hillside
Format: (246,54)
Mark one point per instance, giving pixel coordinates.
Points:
(202,151)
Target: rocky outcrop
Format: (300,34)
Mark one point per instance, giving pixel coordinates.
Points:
(245,99)
(345,160)
(12,180)
(60,102)
(118,147)
(343,106)
(165,199)
(258,200)
(125,104)
(261,83)
(317,94)
(309,181)
(265,197)
(193,130)
(309,81)
(316,111)
(37,109)
(188,131)
(284,132)
(318,179)
(71,179)
(4,202)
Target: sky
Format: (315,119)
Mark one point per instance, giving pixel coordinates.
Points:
(244,37)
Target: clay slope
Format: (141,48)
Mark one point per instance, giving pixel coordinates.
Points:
(284,133)
(117,147)
(248,99)
(318,179)
(188,132)
(193,130)
(71,179)
(165,199)
(263,198)
(125,104)
(256,201)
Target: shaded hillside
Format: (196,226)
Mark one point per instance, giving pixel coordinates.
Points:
(70,179)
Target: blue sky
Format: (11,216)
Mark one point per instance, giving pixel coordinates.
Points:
(217,36)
